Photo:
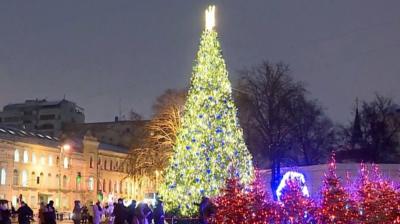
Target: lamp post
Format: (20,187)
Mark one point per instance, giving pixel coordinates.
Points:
(63,148)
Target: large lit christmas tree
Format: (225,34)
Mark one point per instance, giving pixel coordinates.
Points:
(210,142)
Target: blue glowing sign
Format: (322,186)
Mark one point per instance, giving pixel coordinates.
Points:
(292,175)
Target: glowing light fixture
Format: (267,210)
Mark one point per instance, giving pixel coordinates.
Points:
(210,17)
(292,175)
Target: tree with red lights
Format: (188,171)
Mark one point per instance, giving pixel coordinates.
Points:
(336,205)
(378,199)
(296,207)
(238,205)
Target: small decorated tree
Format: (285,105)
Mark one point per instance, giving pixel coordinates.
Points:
(336,205)
(296,208)
(240,205)
(378,199)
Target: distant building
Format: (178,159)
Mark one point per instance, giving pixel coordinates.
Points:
(47,117)
(122,133)
(38,168)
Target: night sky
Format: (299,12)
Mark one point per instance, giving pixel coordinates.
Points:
(106,53)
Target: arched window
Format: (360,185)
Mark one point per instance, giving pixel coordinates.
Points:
(50,160)
(15,177)
(105,164)
(91,162)
(66,163)
(41,178)
(91,184)
(115,187)
(33,158)
(99,163)
(42,160)
(3,176)
(110,186)
(65,181)
(26,157)
(111,168)
(99,185)
(116,166)
(33,178)
(16,155)
(24,180)
(104,185)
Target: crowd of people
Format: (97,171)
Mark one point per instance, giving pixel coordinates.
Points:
(46,214)
(118,213)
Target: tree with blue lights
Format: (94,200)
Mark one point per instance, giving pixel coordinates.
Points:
(209,147)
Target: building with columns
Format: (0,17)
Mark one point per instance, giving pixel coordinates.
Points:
(41,168)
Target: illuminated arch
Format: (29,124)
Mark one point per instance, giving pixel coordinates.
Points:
(292,175)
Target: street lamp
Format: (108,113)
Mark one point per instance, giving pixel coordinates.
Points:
(63,148)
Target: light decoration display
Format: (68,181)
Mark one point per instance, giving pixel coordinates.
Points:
(210,141)
(292,175)
(336,204)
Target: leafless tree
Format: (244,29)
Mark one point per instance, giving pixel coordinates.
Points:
(379,127)
(160,134)
(278,121)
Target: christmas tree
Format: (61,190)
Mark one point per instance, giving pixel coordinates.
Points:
(210,140)
(378,199)
(336,206)
(240,205)
(296,208)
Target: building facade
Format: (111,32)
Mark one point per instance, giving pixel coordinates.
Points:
(48,117)
(40,168)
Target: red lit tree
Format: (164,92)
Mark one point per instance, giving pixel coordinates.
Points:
(336,205)
(378,199)
(238,205)
(296,208)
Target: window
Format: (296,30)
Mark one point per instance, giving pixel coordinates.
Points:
(50,160)
(115,187)
(15,177)
(91,162)
(111,168)
(33,158)
(37,180)
(105,164)
(24,181)
(65,181)
(109,186)
(3,176)
(47,117)
(16,155)
(46,127)
(66,162)
(42,160)
(26,157)
(91,184)
(41,178)
(104,185)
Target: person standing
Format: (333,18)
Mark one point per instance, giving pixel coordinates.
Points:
(41,212)
(131,211)
(50,213)
(77,212)
(25,213)
(120,214)
(97,213)
(158,213)
(5,213)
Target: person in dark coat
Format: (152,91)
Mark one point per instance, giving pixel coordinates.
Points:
(77,213)
(50,213)
(25,214)
(119,213)
(5,213)
(131,211)
(158,213)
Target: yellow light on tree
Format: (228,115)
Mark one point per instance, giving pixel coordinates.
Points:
(209,146)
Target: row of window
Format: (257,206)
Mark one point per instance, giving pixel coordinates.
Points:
(108,165)
(25,159)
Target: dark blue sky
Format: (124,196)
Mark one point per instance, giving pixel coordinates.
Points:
(104,53)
